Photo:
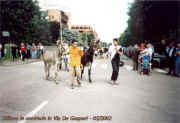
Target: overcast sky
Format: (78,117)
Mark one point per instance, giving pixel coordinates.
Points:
(107,17)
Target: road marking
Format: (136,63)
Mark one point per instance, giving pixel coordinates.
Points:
(31,114)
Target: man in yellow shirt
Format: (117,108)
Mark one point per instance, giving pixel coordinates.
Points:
(75,61)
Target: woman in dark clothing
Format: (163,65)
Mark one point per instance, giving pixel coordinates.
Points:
(13,51)
(116,51)
(135,53)
(171,58)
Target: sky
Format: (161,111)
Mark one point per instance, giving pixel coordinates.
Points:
(107,17)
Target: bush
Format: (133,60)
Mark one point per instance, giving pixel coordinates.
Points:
(8,54)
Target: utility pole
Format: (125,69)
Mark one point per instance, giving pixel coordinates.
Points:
(60,23)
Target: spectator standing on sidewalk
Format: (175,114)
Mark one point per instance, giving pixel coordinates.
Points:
(13,51)
(41,47)
(163,48)
(142,47)
(135,54)
(66,56)
(171,57)
(116,51)
(28,50)
(38,51)
(150,52)
(23,51)
(34,51)
(177,61)
(0,52)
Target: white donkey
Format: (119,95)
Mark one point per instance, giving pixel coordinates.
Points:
(53,58)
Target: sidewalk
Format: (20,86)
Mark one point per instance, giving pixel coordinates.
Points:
(129,65)
(18,62)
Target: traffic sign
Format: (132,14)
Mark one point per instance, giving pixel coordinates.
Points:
(5,34)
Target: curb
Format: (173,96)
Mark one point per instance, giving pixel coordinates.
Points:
(19,62)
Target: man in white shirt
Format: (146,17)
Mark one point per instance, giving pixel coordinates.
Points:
(116,51)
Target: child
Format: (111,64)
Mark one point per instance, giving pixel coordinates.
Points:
(23,51)
(145,60)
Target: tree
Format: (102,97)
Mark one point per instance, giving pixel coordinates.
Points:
(84,39)
(24,21)
(104,44)
(69,35)
(91,38)
(152,21)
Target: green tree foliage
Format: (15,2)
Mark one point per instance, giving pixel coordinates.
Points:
(84,39)
(152,21)
(90,38)
(109,44)
(69,35)
(104,44)
(87,39)
(24,20)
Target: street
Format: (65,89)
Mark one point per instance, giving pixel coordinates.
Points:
(137,99)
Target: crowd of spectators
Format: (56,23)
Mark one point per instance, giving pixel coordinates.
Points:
(171,52)
(23,51)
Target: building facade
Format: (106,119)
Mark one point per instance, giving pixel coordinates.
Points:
(87,29)
(60,16)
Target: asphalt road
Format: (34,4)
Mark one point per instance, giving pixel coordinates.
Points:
(137,99)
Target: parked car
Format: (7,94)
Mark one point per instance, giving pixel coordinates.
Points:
(159,61)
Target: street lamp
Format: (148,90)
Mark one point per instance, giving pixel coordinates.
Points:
(60,23)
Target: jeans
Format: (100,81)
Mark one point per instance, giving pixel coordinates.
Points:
(0,56)
(135,65)
(115,67)
(34,54)
(23,55)
(66,62)
(28,53)
(177,65)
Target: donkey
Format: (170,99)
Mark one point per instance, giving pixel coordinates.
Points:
(53,58)
(87,60)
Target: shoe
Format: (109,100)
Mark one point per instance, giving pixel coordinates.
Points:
(115,83)
(72,86)
(176,75)
(79,84)
(168,73)
(110,81)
